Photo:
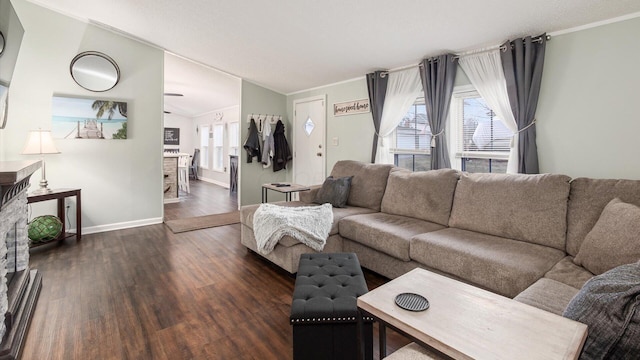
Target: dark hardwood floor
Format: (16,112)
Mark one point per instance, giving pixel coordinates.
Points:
(204,199)
(146,293)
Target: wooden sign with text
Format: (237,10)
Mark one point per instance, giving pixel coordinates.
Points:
(351,107)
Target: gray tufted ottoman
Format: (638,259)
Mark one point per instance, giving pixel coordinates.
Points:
(324,313)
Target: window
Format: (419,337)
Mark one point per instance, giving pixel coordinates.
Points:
(233,138)
(218,147)
(204,146)
(412,139)
(482,141)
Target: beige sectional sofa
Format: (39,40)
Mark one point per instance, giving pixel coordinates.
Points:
(515,235)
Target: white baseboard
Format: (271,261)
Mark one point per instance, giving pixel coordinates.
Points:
(216,182)
(119,226)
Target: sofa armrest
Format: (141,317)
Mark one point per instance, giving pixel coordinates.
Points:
(308,196)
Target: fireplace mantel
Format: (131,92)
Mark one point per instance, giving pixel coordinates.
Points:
(14,177)
(13,171)
(19,285)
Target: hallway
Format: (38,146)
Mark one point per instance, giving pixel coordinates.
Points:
(205,199)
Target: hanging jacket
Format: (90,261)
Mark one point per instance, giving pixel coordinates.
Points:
(267,148)
(252,143)
(281,150)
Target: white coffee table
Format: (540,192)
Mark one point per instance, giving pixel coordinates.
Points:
(466,322)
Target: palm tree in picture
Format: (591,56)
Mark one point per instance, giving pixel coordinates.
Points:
(109,107)
(121,133)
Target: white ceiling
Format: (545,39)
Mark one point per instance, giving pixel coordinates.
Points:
(293,45)
(204,89)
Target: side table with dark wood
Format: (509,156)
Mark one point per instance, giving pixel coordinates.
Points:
(60,195)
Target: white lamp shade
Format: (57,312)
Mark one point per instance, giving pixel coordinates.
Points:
(40,142)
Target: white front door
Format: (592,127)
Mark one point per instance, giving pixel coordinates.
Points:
(309,152)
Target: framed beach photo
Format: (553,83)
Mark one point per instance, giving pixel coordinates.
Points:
(81,118)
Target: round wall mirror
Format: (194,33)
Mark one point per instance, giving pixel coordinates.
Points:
(1,42)
(95,71)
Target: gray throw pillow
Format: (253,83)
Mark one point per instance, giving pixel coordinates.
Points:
(334,191)
(614,239)
(609,304)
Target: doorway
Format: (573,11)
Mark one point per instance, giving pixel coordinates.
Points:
(201,108)
(309,155)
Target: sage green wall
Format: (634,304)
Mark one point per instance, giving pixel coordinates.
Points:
(256,99)
(121,180)
(354,132)
(588,115)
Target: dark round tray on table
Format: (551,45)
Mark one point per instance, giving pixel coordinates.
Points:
(412,302)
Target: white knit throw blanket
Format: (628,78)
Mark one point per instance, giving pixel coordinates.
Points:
(308,224)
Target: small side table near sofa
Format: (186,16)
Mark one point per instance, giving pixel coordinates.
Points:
(60,195)
(284,188)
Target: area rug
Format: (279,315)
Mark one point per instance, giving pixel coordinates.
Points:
(203,222)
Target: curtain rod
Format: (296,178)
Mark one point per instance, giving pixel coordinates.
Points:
(502,47)
(471,52)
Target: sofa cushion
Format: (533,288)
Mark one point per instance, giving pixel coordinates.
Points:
(616,235)
(288,257)
(340,213)
(566,272)
(368,183)
(504,266)
(377,261)
(588,198)
(387,233)
(309,195)
(531,208)
(334,191)
(247,211)
(425,195)
(609,304)
(548,294)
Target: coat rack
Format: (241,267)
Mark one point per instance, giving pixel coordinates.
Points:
(264,117)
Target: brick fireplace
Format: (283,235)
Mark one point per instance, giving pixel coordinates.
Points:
(19,285)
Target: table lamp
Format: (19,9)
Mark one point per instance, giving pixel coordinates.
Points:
(40,143)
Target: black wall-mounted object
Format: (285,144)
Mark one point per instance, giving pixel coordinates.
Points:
(172,136)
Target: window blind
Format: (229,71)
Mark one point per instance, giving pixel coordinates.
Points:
(482,130)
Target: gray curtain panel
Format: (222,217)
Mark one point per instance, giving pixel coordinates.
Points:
(438,75)
(377,86)
(522,63)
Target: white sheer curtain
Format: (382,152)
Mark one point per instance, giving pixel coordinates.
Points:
(403,89)
(484,70)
